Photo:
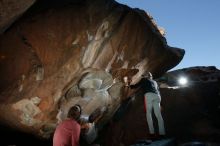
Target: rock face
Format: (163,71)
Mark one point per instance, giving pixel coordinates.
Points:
(70,53)
(195,74)
(10,10)
(190,112)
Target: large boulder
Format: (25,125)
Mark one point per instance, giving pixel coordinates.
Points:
(71,53)
(11,10)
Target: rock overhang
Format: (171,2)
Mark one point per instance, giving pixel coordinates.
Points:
(48,55)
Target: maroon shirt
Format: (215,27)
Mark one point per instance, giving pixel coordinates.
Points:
(67,133)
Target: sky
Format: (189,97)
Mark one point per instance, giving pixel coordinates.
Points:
(193,25)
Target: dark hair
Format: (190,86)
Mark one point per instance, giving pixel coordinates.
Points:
(73,112)
(147,74)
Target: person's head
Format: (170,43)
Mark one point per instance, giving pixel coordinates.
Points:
(75,112)
(148,75)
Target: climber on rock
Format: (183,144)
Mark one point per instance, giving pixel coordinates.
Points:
(152,100)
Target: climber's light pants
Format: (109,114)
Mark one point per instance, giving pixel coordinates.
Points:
(152,102)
